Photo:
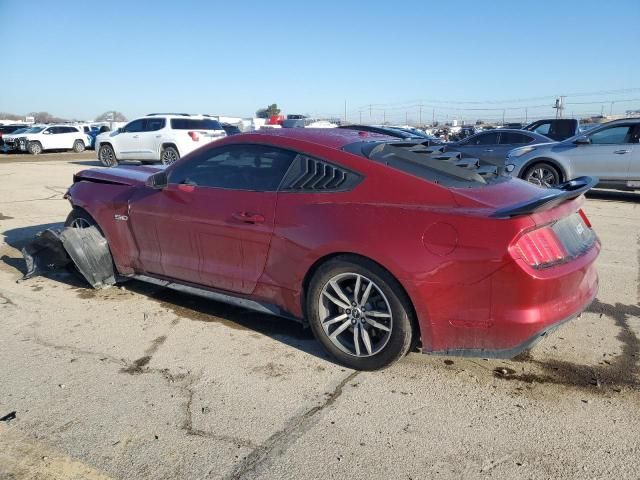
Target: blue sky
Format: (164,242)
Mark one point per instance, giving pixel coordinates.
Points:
(80,58)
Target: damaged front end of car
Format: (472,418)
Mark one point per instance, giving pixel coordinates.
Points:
(83,248)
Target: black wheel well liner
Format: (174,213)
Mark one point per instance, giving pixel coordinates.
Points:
(413,317)
(169,144)
(550,161)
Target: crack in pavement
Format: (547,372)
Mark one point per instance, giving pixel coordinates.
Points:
(278,443)
(187,425)
(172,379)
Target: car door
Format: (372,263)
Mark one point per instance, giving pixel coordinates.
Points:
(606,155)
(633,179)
(128,140)
(213,222)
(481,145)
(507,142)
(71,134)
(52,138)
(150,138)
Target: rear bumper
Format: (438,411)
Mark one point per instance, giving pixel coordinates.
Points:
(508,312)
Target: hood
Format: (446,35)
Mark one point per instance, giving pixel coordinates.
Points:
(126,175)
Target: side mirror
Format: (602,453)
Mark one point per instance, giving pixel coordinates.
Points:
(583,140)
(46,132)
(120,130)
(157,181)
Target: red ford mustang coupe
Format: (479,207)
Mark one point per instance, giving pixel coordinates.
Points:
(369,240)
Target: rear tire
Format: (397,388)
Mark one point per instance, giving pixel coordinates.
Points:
(34,148)
(542,174)
(107,156)
(78,146)
(373,329)
(169,155)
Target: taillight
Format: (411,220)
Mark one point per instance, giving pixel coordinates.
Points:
(194,136)
(540,247)
(584,218)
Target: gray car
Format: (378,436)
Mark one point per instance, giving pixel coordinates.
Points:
(492,146)
(610,152)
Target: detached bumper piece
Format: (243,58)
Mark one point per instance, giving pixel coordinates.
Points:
(85,248)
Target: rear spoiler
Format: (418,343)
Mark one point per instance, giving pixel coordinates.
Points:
(555,196)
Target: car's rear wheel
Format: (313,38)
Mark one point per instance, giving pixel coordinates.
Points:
(359,313)
(169,155)
(78,146)
(542,174)
(34,148)
(107,156)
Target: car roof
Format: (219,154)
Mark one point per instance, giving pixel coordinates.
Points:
(329,137)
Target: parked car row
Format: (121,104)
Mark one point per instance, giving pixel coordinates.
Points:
(545,153)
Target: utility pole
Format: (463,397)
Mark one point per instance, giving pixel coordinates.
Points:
(369,112)
(384,117)
(433,120)
(420,116)
(526,115)
(345,111)
(503,117)
(406,118)
(360,117)
(611,109)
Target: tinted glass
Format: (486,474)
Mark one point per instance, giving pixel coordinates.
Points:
(490,138)
(241,167)
(135,126)
(195,124)
(543,129)
(513,138)
(153,124)
(612,135)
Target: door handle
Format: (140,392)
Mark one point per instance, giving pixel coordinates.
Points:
(248,217)
(622,152)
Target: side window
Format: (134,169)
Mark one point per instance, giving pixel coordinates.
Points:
(490,138)
(135,126)
(57,130)
(543,129)
(239,167)
(49,130)
(612,135)
(513,138)
(154,124)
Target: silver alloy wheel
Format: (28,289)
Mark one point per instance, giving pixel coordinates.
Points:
(35,148)
(169,156)
(78,146)
(542,177)
(80,223)
(355,314)
(107,157)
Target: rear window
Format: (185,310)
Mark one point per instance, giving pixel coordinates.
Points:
(419,161)
(514,138)
(195,124)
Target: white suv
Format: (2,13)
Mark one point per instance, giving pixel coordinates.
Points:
(157,138)
(52,137)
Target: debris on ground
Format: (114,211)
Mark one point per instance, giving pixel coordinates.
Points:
(85,248)
(8,417)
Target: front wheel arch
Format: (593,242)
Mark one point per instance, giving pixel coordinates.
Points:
(550,161)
